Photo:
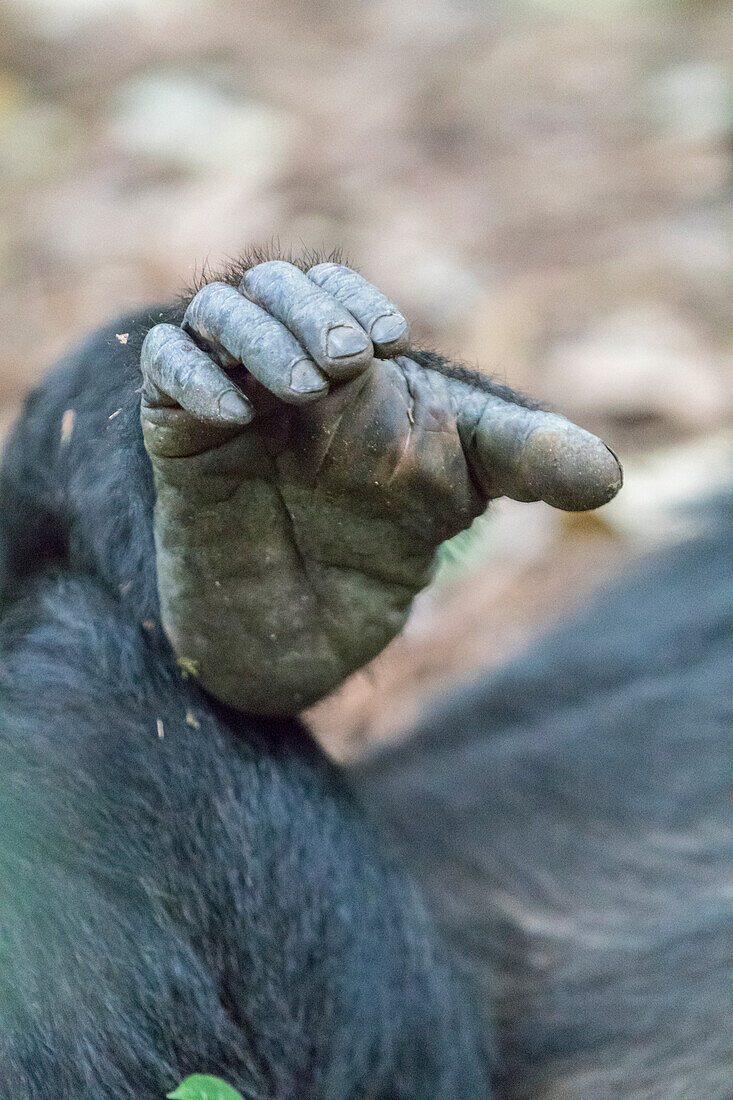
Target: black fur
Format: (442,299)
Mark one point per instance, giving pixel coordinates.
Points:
(187,890)
(571,821)
(82,497)
(212,899)
(184,889)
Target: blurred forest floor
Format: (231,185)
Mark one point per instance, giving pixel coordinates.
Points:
(543,187)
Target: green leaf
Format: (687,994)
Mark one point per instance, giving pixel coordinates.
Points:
(199,1086)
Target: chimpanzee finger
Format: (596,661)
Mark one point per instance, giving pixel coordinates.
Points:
(330,333)
(378,316)
(528,454)
(219,314)
(177,372)
(542,456)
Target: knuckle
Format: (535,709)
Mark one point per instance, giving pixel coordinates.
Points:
(269,270)
(185,377)
(325,270)
(208,293)
(263,328)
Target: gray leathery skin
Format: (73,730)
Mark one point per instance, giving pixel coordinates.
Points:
(529,454)
(221,315)
(331,334)
(176,371)
(376,314)
(288,550)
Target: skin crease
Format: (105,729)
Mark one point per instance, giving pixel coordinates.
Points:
(187,887)
(190,888)
(305,477)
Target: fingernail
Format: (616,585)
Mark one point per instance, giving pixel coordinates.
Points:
(233,406)
(388,328)
(343,340)
(305,378)
(617,460)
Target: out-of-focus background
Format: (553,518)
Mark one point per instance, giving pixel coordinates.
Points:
(543,186)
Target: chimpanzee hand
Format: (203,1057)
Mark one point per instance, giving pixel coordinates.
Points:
(306,469)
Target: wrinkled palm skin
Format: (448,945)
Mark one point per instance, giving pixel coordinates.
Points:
(292,548)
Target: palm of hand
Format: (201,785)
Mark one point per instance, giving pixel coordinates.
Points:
(291,543)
